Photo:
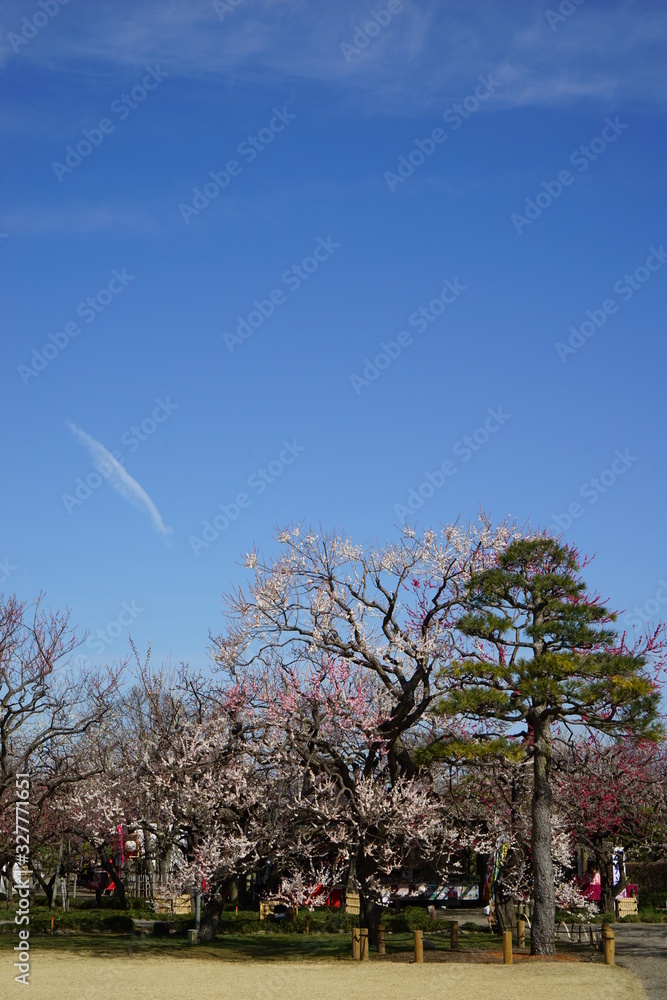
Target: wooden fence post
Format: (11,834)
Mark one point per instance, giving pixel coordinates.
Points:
(507,947)
(521,933)
(454,942)
(608,944)
(363,944)
(419,947)
(355,942)
(382,949)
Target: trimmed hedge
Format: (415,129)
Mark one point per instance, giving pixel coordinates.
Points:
(322,920)
(85,921)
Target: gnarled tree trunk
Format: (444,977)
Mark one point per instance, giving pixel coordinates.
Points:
(370,911)
(369,916)
(211,915)
(505,910)
(47,887)
(114,875)
(608,888)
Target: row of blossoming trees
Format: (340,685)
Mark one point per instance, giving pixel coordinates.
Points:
(368,706)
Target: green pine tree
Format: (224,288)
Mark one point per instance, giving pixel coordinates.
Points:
(538,651)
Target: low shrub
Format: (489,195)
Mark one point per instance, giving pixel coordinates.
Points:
(323,920)
(178,922)
(652,900)
(329,921)
(143,906)
(108,903)
(651,917)
(412,918)
(86,921)
(243,922)
(289,924)
(118,924)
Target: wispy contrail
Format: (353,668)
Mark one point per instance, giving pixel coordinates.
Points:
(118,478)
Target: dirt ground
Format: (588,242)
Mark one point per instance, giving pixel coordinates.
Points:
(67,977)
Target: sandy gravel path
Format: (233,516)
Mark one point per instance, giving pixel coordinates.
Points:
(642,948)
(67,977)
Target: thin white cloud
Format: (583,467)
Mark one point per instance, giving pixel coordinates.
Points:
(118,478)
(429,53)
(76,219)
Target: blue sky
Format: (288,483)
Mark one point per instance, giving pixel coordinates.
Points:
(452,192)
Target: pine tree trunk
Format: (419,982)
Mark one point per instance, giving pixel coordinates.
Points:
(543,929)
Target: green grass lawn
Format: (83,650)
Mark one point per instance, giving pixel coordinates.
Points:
(241,947)
(264,946)
(241,937)
(245,947)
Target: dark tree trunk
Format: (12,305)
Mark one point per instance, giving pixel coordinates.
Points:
(505,911)
(504,897)
(119,888)
(370,911)
(373,915)
(211,916)
(351,880)
(543,929)
(47,887)
(606,882)
(52,901)
(608,888)
(482,871)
